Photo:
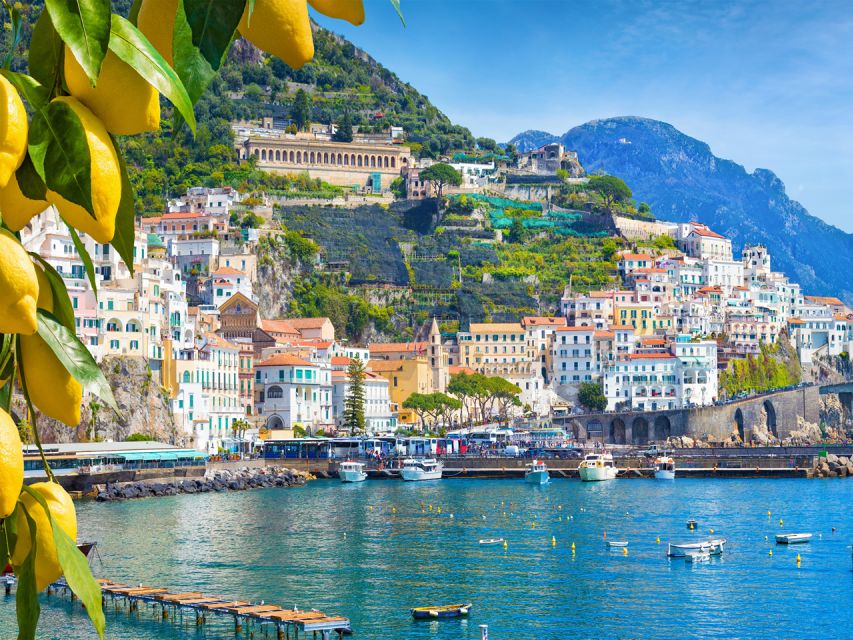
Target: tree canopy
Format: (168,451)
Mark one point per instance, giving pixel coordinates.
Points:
(591,395)
(611,188)
(441,175)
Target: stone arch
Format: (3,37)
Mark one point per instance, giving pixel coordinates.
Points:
(298,157)
(358,159)
(663,428)
(372,161)
(352,159)
(385,160)
(291,157)
(739,424)
(275,392)
(263,154)
(114,324)
(256,153)
(640,429)
(393,163)
(277,155)
(340,159)
(312,157)
(346,160)
(275,422)
(771,418)
(617,431)
(325,158)
(133,326)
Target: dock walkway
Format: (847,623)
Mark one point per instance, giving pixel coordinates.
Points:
(171,604)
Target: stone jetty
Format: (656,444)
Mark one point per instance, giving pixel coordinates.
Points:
(217,480)
(833,466)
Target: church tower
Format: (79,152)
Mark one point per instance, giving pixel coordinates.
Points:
(437,359)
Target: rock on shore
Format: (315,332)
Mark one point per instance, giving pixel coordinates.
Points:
(214,480)
(834,466)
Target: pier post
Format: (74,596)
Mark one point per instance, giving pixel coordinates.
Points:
(238,627)
(279,633)
(199,619)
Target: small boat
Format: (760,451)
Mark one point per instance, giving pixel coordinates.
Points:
(617,543)
(596,467)
(713,546)
(492,541)
(691,524)
(664,468)
(350,471)
(701,555)
(793,538)
(444,611)
(415,469)
(537,473)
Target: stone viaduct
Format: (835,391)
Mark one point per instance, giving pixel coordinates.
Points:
(715,422)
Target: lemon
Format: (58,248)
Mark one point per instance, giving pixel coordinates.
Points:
(349,10)
(13,131)
(45,299)
(122,98)
(282,28)
(16,208)
(11,464)
(156,21)
(62,511)
(106,180)
(54,391)
(19,287)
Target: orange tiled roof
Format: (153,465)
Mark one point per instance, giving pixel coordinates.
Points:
(278,326)
(284,360)
(341,360)
(308,323)
(576,329)
(398,347)
(227,271)
(828,300)
(542,321)
(702,230)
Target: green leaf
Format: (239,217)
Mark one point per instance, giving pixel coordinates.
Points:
(8,536)
(62,308)
(85,257)
(45,59)
(125,233)
(60,153)
(191,66)
(213,24)
(26,597)
(29,181)
(84,25)
(396,5)
(79,577)
(75,357)
(128,43)
(37,96)
(133,16)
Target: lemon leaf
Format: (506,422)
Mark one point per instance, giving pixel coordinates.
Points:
(79,577)
(75,357)
(60,153)
(191,66)
(62,308)
(84,25)
(125,232)
(213,24)
(26,598)
(29,181)
(128,43)
(37,96)
(85,257)
(396,5)
(133,16)
(45,58)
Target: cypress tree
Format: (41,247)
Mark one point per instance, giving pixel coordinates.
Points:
(354,402)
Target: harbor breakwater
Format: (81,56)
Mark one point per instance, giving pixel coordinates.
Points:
(216,480)
(833,466)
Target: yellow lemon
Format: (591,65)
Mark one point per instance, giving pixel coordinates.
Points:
(19,287)
(156,21)
(349,10)
(45,299)
(16,208)
(282,28)
(11,464)
(13,131)
(106,180)
(63,514)
(54,391)
(122,99)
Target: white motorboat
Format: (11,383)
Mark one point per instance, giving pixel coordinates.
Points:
(597,466)
(617,543)
(416,469)
(793,538)
(350,471)
(537,473)
(714,547)
(664,468)
(486,541)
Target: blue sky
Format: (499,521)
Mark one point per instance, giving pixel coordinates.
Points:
(765,84)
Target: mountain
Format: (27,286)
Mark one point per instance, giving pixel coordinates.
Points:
(532,139)
(683,180)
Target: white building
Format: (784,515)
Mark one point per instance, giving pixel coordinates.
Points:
(291,392)
(378,417)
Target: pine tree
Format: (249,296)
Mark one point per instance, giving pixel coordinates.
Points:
(343,132)
(354,401)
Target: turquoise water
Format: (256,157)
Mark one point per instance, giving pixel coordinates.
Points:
(323,546)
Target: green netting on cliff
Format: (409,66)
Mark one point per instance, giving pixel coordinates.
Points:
(565,215)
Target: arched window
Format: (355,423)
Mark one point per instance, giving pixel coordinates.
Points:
(385,160)
(256,152)
(291,156)
(325,158)
(358,159)
(187,376)
(263,154)
(346,160)
(312,157)
(340,161)
(298,157)
(372,161)
(277,155)
(274,393)
(393,163)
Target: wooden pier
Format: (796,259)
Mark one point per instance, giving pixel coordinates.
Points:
(287,623)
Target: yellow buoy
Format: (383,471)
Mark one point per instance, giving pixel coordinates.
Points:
(532,525)
(657,540)
(505,544)
(770,553)
(559,507)
(553,541)
(711,530)
(370,507)
(624,551)
(780,522)
(430,507)
(439,510)
(799,559)
(768,514)
(573,547)
(393,509)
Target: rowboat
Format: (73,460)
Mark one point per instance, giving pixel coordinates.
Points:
(793,538)
(713,546)
(617,543)
(702,555)
(444,611)
(492,541)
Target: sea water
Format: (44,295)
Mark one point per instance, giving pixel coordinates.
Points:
(373,550)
